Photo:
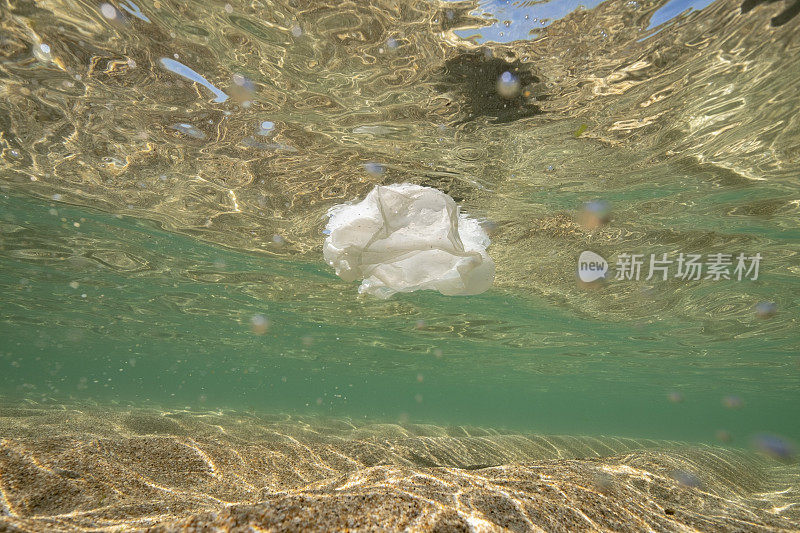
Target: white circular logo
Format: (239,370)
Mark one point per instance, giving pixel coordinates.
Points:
(591,267)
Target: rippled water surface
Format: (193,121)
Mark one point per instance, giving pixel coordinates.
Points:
(165,169)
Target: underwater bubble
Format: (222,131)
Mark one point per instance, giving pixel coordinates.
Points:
(594,214)
(57,197)
(601,207)
(508,85)
(766,309)
(374,169)
(74,284)
(242,81)
(189,130)
(277,239)
(259,324)
(228,8)
(686,479)
(297,31)
(775,446)
(42,52)
(675,397)
(265,128)
(391,43)
(243,88)
(732,402)
(110,12)
(604,482)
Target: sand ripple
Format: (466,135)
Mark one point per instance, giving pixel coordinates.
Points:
(79,469)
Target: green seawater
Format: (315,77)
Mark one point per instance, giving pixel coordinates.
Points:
(136,253)
(173,330)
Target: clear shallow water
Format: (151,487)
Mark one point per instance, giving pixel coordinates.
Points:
(147,219)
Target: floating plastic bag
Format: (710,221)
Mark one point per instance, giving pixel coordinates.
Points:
(404,238)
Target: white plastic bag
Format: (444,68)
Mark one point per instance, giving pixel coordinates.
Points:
(404,238)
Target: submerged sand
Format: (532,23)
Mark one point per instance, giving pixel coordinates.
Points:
(100,469)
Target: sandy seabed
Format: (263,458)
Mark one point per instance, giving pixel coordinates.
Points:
(70,468)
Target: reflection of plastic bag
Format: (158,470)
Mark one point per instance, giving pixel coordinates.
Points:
(405,237)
